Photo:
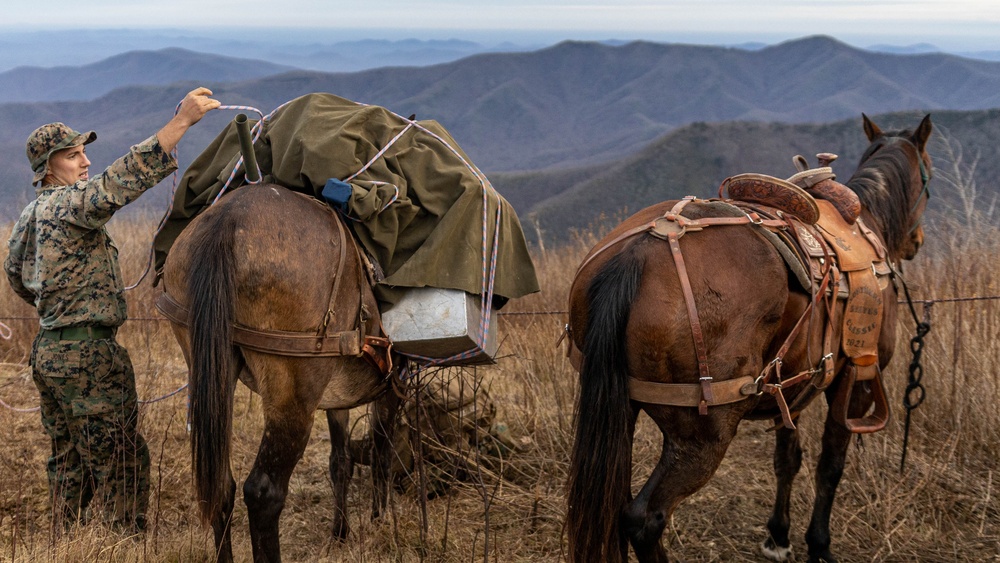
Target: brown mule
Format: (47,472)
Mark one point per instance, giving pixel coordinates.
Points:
(629,318)
(267,268)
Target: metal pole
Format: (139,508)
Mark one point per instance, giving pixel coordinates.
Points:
(246,148)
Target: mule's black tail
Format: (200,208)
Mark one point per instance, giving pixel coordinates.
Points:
(211,291)
(601,465)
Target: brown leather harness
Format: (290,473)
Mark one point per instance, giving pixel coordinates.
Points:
(320,342)
(825,264)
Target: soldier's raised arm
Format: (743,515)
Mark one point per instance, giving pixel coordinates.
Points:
(194,106)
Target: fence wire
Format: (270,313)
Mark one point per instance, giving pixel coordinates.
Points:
(6,333)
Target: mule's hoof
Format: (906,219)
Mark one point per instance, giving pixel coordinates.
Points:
(775,552)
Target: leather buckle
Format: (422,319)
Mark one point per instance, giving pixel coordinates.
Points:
(378,352)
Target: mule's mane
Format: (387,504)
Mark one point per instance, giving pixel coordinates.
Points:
(882,183)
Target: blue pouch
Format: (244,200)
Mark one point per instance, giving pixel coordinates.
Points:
(337,193)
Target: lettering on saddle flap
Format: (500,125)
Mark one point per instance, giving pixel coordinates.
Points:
(863,315)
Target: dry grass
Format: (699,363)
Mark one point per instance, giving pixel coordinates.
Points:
(943,508)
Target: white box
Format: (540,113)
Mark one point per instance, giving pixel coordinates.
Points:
(440,323)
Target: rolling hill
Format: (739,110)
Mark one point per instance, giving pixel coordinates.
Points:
(327,50)
(695,159)
(574,103)
(36,84)
(568,107)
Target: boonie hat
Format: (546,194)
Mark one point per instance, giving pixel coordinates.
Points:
(48,139)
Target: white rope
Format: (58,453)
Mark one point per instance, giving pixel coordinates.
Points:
(6,406)
(257,129)
(489,257)
(379,154)
(146,402)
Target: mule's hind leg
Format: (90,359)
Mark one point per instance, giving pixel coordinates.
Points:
(341,468)
(383,432)
(693,448)
(286,433)
(787,462)
(836,439)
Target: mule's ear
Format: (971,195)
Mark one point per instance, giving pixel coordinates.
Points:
(871,130)
(922,133)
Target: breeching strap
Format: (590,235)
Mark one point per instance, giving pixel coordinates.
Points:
(671,227)
(704,376)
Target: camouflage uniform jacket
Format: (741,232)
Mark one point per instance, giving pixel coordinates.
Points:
(62,260)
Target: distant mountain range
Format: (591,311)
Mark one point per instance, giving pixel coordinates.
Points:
(695,159)
(574,109)
(325,50)
(166,66)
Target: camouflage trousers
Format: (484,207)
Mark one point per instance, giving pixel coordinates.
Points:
(90,411)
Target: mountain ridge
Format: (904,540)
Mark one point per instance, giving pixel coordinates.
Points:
(160,67)
(574,104)
(695,159)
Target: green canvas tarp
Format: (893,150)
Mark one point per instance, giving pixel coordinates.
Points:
(430,235)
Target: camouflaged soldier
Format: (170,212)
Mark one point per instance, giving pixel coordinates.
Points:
(63,262)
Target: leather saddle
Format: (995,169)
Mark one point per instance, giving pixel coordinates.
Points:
(841,254)
(798,194)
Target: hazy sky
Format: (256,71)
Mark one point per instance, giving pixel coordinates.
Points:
(955,24)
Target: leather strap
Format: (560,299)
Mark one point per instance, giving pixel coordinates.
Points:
(773,371)
(378,352)
(701,351)
(689,394)
(305,344)
(336,277)
(282,343)
(704,376)
(684,225)
(172,309)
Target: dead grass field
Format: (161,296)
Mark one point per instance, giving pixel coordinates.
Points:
(942,508)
